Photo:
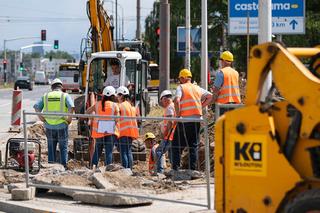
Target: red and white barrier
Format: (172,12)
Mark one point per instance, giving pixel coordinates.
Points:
(16,108)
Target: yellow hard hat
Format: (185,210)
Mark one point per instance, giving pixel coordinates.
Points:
(184,73)
(149,135)
(226,56)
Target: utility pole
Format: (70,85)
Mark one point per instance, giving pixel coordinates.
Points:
(187,57)
(138,32)
(164,45)
(204,45)
(265,35)
(116,24)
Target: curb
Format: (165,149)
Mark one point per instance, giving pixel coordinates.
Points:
(12,206)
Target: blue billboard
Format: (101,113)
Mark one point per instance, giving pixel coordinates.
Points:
(287,16)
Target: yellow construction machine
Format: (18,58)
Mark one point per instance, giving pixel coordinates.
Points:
(267,154)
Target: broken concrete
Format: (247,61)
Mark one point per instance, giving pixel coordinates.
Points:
(23,193)
(109,200)
(15,186)
(100,182)
(184,175)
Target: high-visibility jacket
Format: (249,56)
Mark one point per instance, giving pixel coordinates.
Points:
(128,127)
(165,123)
(229,92)
(152,158)
(110,109)
(190,102)
(55,101)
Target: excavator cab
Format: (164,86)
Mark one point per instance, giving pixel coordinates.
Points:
(119,68)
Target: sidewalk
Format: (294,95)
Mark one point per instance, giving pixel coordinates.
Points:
(54,202)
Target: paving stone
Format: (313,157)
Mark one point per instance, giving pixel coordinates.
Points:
(23,193)
(109,200)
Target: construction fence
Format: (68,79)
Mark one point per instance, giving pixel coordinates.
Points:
(190,154)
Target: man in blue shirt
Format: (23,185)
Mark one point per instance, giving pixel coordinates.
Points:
(56,126)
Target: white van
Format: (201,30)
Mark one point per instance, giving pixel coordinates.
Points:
(40,78)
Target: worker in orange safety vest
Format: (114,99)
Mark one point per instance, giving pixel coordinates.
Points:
(128,127)
(188,102)
(105,131)
(226,88)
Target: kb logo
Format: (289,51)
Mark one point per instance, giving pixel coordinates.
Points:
(248,151)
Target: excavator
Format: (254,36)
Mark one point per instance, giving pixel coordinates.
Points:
(267,153)
(98,53)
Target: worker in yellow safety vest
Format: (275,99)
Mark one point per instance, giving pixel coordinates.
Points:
(128,127)
(56,126)
(226,88)
(188,102)
(105,131)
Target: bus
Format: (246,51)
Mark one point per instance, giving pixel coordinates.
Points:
(153,77)
(69,74)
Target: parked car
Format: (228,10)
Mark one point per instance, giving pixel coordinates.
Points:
(23,82)
(41,78)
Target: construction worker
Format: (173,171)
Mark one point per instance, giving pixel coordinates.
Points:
(105,131)
(167,128)
(56,126)
(226,88)
(128,127)
(113,78)
(152,144)
(188,102)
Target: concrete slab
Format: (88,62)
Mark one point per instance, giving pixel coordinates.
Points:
(23,193)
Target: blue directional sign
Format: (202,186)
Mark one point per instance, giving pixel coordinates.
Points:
(288,16)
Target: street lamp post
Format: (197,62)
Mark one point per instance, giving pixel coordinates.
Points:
(5,52)
(116,19)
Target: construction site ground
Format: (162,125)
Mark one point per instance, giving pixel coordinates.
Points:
(192,190)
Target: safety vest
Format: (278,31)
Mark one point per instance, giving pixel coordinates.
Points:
(190,102)
(55,101)
(110,109)
(229,92)
(165,123)
(128,127)
(152,160)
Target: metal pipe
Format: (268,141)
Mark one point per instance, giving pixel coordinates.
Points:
(187,57)
(26,159)
(207,161)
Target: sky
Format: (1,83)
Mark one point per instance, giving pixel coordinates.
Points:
(64,20)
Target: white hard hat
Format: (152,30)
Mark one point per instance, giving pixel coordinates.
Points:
(109,91)
(165,93)
(123,90)
(56,81)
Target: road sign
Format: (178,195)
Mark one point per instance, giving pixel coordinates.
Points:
(288,16)
(195,38)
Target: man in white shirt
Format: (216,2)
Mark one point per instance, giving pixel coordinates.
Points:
(113,79)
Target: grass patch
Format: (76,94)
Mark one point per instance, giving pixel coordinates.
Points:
(7,85)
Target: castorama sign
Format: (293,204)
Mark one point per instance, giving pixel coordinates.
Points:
(287,16)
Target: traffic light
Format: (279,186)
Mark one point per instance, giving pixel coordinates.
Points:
(157,32)
(4,64)
(21,66)
(43,35)
(56,44)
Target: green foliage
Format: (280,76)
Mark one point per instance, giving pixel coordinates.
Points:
(236,44)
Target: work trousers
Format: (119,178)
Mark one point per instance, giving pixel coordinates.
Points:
(106,142)
(125,144)
(55,136)
(185,135)
(161,150)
